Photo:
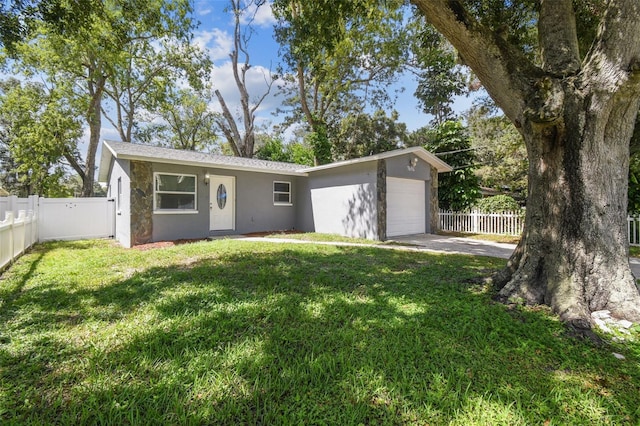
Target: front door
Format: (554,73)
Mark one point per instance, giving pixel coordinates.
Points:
(222,202)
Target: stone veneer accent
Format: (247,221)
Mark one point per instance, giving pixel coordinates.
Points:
(381,192)
(433,204)
(141,203)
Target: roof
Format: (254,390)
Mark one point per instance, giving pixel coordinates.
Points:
(132,151)
(418,151)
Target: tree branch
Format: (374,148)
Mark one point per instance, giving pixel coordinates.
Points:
(504,71)
(229,128)
(613,59)
(558,37)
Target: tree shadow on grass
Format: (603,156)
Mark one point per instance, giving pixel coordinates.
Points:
(302,335)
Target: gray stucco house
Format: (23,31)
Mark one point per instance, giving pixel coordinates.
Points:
(165,194)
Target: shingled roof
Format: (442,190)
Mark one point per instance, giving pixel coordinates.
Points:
(132,151)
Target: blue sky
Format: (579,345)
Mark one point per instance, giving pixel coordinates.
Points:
(215,35)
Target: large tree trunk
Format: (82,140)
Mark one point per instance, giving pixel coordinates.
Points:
(573,255)
(577,117)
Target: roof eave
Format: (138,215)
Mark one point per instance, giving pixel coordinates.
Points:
(431,159)
(210,165)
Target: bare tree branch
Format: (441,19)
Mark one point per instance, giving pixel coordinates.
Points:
(241,144)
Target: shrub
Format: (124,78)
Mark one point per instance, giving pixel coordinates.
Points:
(497,203)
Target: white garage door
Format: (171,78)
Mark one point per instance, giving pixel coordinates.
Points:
(406,207)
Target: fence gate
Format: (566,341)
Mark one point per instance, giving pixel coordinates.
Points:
(76,218)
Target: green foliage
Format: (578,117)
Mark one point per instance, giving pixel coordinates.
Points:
(300,154)
(497,204)
(320,145)
(500,150)
(236,332)
(339,56)
(40,131)
(18,17)
(274,150)
(440,76)
(360,135)
(128,51)
(457,190)
(182,120)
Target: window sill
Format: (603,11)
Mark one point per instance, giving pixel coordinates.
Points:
(283,204)
(175,212)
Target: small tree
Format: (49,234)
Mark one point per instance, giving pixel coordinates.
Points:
(40,132)
(459,189)
(500,150)
(275,150)
(362,134)
(182,120)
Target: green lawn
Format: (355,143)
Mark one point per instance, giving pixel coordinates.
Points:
(233,332)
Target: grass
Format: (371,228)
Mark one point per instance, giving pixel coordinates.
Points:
(634,251)
(509,239)
(320,237)
(233,332)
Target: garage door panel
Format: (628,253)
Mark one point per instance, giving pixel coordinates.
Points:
(406,207)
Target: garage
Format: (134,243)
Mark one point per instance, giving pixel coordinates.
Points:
(406,207)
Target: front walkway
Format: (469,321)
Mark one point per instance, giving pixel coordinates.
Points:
(447,244)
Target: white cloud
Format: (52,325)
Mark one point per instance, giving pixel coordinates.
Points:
(217,42)
(262,15)
(256,81)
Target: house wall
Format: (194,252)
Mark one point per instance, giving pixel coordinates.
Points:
(121,170)
(254,208)
(255,211)
(399,167)
(340,201)
(174,226)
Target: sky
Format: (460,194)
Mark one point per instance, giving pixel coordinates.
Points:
(215,35)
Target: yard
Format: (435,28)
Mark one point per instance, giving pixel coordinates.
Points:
(236,332)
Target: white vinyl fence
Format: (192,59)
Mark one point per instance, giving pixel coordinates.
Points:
(633,230)
(31,220)
(508,223)
(17,232)
(505,223)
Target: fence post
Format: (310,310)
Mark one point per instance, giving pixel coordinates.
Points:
(9,218)
(40,215)
(13,202)
(475,220)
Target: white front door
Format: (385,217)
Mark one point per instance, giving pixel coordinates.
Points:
(222,202)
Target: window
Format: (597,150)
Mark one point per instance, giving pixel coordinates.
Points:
(282,193)
(119,194)
(173,193)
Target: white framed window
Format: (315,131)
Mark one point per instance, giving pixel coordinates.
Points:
(119,194)
(175,193)
(281,193)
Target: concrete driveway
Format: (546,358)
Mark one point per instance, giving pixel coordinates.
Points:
(447,244)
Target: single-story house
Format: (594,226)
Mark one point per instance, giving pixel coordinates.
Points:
(166,194)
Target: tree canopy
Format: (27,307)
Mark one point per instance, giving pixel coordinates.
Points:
(116,49)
